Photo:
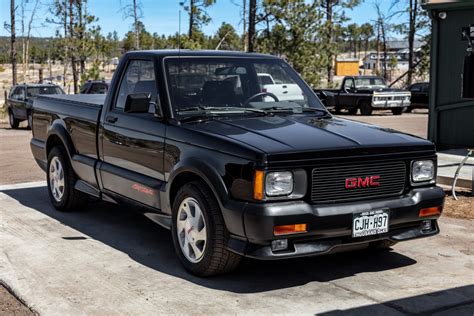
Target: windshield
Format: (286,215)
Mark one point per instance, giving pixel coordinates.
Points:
(370,83)
(233,84)
(35,91)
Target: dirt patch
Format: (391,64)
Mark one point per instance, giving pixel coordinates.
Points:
(10,305)
(462,208)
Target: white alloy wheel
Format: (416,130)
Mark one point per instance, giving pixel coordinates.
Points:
(191,230)
(56,179)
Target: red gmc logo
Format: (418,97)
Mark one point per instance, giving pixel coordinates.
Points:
(362,182)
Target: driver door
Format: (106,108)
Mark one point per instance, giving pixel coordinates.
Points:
(133,143)
(346,96)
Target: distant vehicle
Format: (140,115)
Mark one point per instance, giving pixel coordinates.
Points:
(419,96)
(284,91)
(95,87)
(20,101)
(366,93)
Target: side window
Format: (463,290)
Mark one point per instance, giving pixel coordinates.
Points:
(98,88)
(139,77)
(426,88)
(20,93)
(348,84)
(13,93)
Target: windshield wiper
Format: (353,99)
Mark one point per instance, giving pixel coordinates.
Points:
(210,112)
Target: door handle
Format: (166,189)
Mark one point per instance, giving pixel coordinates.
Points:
(284,87)
(111,119)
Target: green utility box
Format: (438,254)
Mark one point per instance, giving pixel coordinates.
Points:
(451,118)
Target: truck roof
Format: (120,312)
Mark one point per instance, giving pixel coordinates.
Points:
(199,53)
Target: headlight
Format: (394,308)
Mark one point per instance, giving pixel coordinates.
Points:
(422,170)
(279,183)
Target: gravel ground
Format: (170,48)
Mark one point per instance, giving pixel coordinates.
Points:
(10,305)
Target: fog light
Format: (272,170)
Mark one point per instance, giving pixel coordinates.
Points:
(279,244)
(425,226)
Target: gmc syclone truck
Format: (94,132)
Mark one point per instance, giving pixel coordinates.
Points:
(192,140)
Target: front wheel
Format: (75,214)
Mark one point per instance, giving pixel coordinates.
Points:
(61,180)
(365,108)
(30,120)
(199,232)
(14,123)
(397,111)
(353,111)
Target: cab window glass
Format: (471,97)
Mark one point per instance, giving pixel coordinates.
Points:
(139,77)
(348,84)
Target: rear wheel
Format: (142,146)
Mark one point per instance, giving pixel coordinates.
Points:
(365,108)
(353,111)
(61,180)
(199,232)
(397,111)
(14,123)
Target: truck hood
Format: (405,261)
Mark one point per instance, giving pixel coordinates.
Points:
(381,90)
(300,133)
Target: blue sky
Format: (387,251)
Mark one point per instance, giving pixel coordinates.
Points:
(162,16)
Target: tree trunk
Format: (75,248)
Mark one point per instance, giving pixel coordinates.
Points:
(28,36)
(191,19)
(66,46)
(252,22)
(411,39)
(377,61)
(13,42)
(384,40)
(72,50)
(330,70)
(80,36)
(244,34)
(137,27)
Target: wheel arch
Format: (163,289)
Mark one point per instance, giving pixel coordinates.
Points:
(194,170)
(58,136)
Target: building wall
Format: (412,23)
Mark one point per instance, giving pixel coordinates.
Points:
(451,122)
(347,68)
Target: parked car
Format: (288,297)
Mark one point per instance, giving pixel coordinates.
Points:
(230,172)
(419,96)
(365,93)
(95,87)
(21,98)
(283,90)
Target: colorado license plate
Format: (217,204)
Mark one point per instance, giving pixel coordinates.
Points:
(370,223)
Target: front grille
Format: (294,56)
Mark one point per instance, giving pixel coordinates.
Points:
(329,183)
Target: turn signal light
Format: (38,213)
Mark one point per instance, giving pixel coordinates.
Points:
(290,229)
(258,185)
(430,211)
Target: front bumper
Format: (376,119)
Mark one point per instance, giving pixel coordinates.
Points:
(330,225)
(389,104)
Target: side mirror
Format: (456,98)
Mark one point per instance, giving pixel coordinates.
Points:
(137,103)
(468,77)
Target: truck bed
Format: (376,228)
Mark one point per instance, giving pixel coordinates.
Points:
(79,114)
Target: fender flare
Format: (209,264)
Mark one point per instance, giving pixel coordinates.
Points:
(59,130)
(204,171)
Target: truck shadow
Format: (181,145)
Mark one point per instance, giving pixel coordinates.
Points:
(151,245)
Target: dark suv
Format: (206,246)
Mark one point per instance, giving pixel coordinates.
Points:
(20,101)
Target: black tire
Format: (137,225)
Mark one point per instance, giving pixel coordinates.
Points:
(382,245)
(14,123)
(216,258)
(29,119)
(337,110)
(397,111)
(409,109)
(353,111)
(365,108)
(71,198)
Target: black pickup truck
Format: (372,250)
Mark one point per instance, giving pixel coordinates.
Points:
(365,93)
(230,169)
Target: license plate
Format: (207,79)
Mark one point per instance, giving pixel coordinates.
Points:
(370,223)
